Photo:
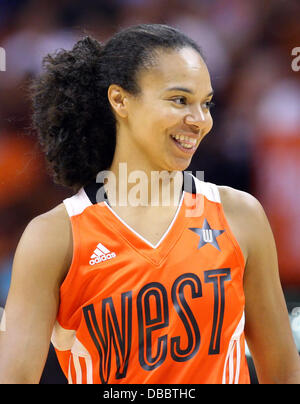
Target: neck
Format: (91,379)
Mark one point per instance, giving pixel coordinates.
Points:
(136,180)
(131,184)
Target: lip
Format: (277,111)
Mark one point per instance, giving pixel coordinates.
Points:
(181,148)
(191,135)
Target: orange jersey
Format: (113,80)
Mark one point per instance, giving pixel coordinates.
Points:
(133,312)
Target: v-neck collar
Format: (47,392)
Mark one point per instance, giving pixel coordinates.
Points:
(139,235)
(155,253)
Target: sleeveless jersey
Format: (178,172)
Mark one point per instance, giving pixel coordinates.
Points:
(132,312)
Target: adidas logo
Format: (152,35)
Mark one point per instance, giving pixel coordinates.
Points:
(100,254)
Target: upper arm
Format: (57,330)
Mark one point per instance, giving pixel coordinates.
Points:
(268,330)
(267,326)
(40,263)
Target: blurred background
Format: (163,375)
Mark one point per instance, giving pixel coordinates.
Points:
(254,145)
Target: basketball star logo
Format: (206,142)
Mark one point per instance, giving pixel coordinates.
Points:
(207,235)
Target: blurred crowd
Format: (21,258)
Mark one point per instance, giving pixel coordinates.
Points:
(254,145)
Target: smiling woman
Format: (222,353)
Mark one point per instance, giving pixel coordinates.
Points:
(100,95)
(154,293)
(153,126)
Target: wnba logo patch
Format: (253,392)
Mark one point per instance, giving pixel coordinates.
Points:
(207,235)
(101,254)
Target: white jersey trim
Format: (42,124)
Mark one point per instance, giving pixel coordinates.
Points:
(79,351)
(140,236)
(77,203)
(209,190)
(62,339)
(234,351)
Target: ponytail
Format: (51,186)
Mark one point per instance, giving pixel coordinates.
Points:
(72,115)
(71,112)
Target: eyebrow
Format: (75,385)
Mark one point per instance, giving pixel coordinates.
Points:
(186,90)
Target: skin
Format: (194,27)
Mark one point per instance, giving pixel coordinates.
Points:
(144,125)
(145,122)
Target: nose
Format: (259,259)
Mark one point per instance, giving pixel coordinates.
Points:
(195,118)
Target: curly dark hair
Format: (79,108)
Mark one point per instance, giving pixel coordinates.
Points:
(75,124)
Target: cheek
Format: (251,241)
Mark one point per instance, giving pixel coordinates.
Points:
(161,120)
(150,120)
(169,118)
(209,124)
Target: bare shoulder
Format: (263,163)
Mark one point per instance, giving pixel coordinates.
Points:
(267,328)
(53,226)
(242,205)
(245,216)
(47,239)
(239,201)
(58,216)
(40,264)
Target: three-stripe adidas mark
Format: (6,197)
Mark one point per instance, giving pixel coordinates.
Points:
(100,254)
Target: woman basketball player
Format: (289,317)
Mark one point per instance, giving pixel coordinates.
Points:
(141,293)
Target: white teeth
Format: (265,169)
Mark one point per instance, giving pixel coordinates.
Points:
(182,138)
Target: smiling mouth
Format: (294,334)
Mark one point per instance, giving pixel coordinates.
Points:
(185,143)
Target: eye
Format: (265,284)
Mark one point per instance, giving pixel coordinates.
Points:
(180,100)
(209,104)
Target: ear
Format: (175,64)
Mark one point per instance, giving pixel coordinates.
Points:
(118,99)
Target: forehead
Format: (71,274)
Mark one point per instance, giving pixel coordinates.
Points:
(176,68)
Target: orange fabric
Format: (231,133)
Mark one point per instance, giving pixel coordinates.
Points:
(154,315)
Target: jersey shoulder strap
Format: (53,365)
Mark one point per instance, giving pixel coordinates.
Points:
(209,190)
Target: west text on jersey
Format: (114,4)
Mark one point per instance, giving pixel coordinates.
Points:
(117,335)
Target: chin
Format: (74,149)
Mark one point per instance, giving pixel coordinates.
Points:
(179,165)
